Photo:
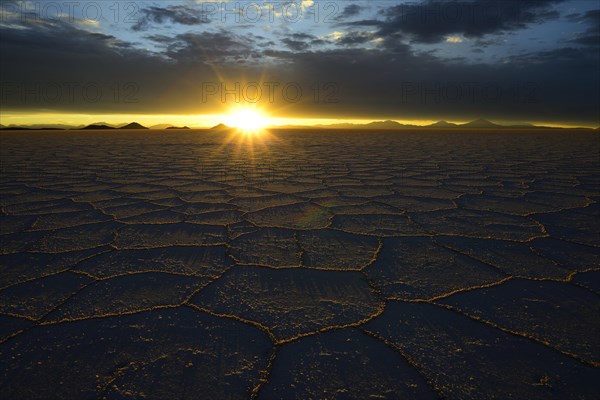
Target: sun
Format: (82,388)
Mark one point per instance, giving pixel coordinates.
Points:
(247,120)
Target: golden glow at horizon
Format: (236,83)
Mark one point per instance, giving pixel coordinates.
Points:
(247,120)
(205,121)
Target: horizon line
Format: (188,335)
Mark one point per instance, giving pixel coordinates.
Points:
(337,125)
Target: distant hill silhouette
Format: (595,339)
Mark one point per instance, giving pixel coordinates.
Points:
(104,123)
(97,127)
(133,125)
(160,126)
(481,124)
(442,124)
(220,127)
(43,127)
(375,125)
(385,125)
(343,125)
(389,124)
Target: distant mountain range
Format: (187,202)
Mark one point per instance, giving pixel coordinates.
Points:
(94,126)
(375,125)
(38,127)
(98,127)
(133,125)
(388,124)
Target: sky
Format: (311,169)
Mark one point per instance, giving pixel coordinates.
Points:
(194,62)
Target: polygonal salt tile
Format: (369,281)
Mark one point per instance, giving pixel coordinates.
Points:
(367,208)
(363,190)
(506,205)
(343,364)
(316,194)
(53,221)
(95,196)
(201,208)
(288,186)
(77,238)
(20,267)
(301,216)
(201,261)
(127,294)
(377,224)
(557,200)
(214,196)
(240,228)
(339,201)
(465,359)
(168,202)
(11,325)
(272,246)
(258,203)
(10,224)
(330,249)
(576,257)
(19,242)
(481,182)
(416,268)
(426,192)
(571,225)
(242,192)
(177,353)
(45,207)
(416,203)
(36,298)
(563,315)
(138,188)
(217,218)
(156,217)
(164,235)
(589,280)
(483,224)
(291,302)
(515,259)
(154,196)
(131,209)
(199,187)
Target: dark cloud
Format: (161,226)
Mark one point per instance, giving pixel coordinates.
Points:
(55,66)
(590,37)
(362,22)
(302,36)
(432,20)
(493,41)
(179,14)
(206,47)
(355,38)
(302,41)
(411,85)
(391,81)
(564,54)
(319,42)
(349,11)
(296,45)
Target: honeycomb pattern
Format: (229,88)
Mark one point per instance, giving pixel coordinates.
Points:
(300,265)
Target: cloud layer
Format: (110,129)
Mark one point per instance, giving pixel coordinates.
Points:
(353,67)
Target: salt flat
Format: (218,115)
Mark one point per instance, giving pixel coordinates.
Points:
(300,264)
